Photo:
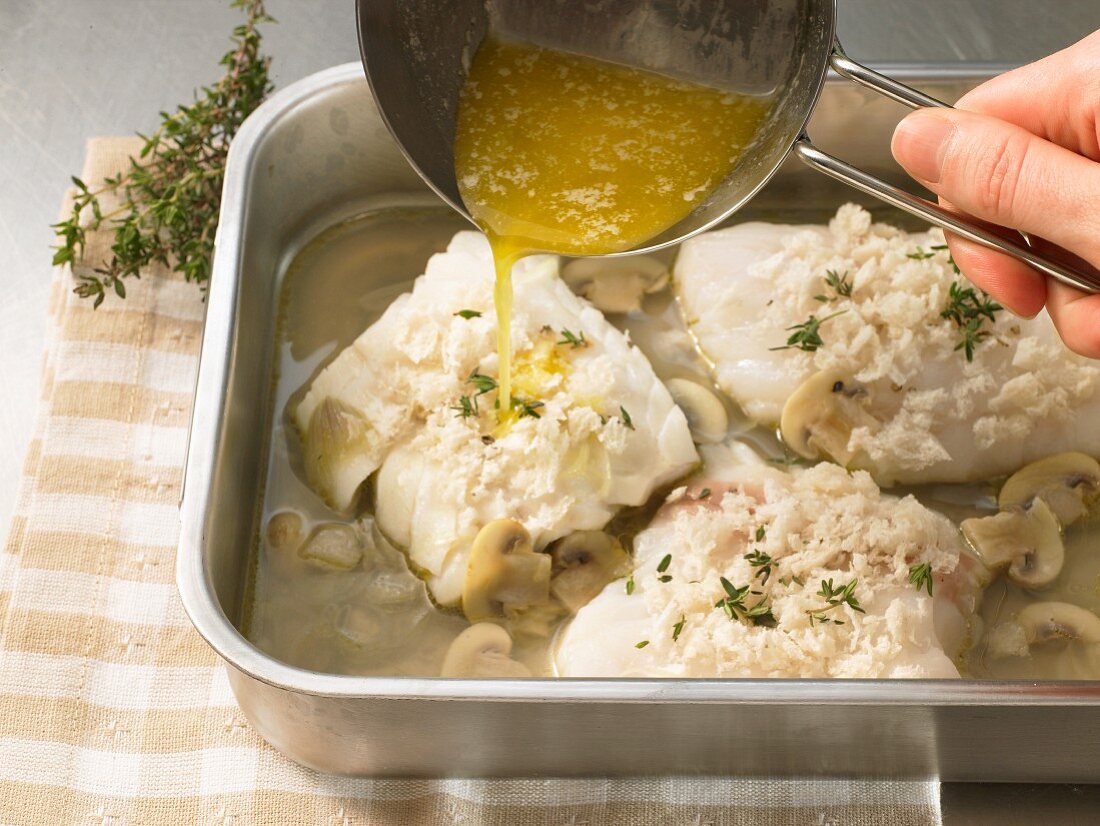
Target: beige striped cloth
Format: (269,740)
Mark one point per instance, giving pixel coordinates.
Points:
(114,712)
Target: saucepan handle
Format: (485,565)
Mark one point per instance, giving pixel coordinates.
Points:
(1080,275)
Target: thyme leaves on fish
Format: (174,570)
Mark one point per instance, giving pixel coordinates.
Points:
(527,407)
(834,596)
(630,585)
(678,628)
(921,576)
(466,407)
(921,254)
(169,196)
(807,335)
(736,608)
(468,314)
(704,494)
(482,383)
(969,309)
(662,567)
(641,644)
(763,563)
(625,416)
(575,340)
(838,283)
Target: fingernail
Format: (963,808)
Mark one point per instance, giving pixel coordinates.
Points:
(920,144)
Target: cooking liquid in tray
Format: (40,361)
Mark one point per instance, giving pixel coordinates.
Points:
(560,153)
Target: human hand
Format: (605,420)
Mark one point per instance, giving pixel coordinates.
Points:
(1022,151)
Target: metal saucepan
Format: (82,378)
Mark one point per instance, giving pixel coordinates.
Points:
(416,53)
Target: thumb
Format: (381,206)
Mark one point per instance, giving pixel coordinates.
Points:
(1004,174)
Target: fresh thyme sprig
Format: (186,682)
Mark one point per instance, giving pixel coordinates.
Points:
(575,340)
(763,564)
(838,283)
(807,335)
(678,628)
(733,603)
(921,576)
(466,407)
(170,195)
(527,407)
(482,383)
(969,311)
(834,597)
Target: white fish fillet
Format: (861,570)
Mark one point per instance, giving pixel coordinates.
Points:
(942,418)
(816,524)
(443,475)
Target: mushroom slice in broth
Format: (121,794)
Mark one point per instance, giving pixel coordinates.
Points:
(1028,543)
(482,650)
(504,572)
(583,563)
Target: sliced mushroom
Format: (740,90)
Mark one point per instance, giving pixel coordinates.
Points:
(1028,542)
(1045,622)
(705,412)
(285,532)
(482,650)
(504,572)
(284,536)
(1068,482)
(333,547)
(615,285)
(819,417)
(584,562)
(336,436)
(538,621)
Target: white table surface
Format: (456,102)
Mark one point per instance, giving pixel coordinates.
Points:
(70,69)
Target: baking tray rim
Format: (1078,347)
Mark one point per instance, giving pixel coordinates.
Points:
(202,606)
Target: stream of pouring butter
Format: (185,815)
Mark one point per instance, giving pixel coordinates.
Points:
(565,154)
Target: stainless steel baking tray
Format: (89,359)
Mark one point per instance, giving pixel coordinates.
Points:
(317,153)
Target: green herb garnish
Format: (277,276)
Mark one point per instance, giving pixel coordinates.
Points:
(630,585)
(677,628)
(627,421)
(704,493)
(482,383)
(734,605)
(969,311)
(527,407)
(466,407)
(920,254)
(468,314)
(763,563)
(576,341)
(641,644)
(921,576)
(834,597)
(807,335)
(662,566)
(170,195)
(838,283)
